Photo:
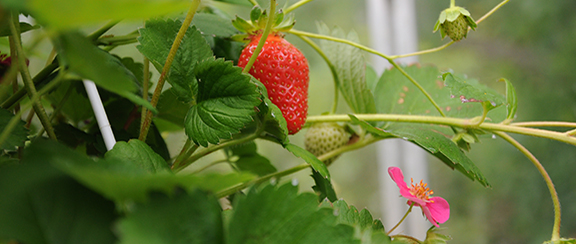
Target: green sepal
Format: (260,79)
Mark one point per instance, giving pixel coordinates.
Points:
(255,14)
(242,25)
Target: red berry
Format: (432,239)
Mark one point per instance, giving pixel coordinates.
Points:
(283,69)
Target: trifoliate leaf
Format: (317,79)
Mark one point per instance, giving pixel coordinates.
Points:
(226,102)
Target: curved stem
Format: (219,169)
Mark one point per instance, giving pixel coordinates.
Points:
(296,5)
(491,11)
(402,220)
(96,34)
(370,50)
(253,2)
(456,122)
(571,133)
(547,179)
(332,70)
(262,40)
(175,45)
(28,82)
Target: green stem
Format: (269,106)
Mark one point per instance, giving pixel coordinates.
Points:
(452,3)
(17,117)
(210,165)
(456,122)
(296,5)
(297,168)
(332,70)
(545,124)
(43,74)
(262,40)
(571,133)
(547,179)
(102,30)
(370,50)
(119,40)
(402,220)
(28,83)
(406,237)
(145,88)
(253,2)
(187,150)
(491,11)
(213,148)
(160,85)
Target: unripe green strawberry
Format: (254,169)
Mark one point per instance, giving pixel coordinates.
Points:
(283,69)
(454,22)
(325,137)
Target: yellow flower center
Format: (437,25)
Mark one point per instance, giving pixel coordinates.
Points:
(421,190)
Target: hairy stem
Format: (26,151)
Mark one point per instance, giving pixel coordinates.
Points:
(145,88)
(547,179)
(455,122)
(296,5)
(175,45)
(262,40)
(401,220)
(332,70)
(28,82)
(370,50)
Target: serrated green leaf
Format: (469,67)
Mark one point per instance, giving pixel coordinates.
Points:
(281,215)
(368,230)
(184,218)
(395,94)
(351,69)
(82,12)
(309,158)
(470,92)
(41,204)
(323,187)
(156,39)
(171,109)
(213,25)
(137,153)
(511,100)
(81,57)
(122,180)
(226,102)
(18,135)
(428,138)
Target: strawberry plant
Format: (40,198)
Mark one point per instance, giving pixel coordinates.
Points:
(97,166)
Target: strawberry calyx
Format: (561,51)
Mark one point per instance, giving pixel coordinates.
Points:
(257,23)
(454,22)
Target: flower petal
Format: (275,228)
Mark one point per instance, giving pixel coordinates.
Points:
(439,209)
(398,177)
(426,212)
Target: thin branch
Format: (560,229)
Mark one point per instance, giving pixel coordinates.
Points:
(263,38)
(296,5)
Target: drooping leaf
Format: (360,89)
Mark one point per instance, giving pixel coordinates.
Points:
(351,68)
(184,218)
(323,187)
(122,180)
(86,60)
(156,39)
(18,135)
(226,102)
(316,164)
(249,160)
(68,14)
(429,139)
(368,229)
(213,25)
(139,154)
(469,92)
(511,100)
(281,215)
(40,204)
(275,125)
(395,94)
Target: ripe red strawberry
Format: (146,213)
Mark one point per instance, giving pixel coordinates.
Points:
(283,69)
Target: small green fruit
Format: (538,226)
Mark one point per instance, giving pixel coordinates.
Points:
(325,137)
(454,22)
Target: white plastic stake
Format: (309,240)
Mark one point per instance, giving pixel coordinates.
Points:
(100,114)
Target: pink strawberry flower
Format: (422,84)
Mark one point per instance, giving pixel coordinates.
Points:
(436,209)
